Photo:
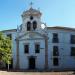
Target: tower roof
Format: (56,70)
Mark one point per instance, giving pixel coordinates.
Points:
(31,11)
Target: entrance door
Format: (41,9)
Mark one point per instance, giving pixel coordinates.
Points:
(31,63)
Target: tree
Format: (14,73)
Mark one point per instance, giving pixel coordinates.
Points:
(5,49)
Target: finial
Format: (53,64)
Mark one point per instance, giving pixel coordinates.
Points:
(39,9)
(31,5)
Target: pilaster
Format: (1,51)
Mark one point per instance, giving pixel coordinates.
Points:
(46,53)
(17,54)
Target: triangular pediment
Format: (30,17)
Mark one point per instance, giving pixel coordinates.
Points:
(31,35)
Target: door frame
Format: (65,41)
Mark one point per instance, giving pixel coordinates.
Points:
(31,57)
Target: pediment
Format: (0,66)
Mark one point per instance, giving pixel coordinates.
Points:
(31,35)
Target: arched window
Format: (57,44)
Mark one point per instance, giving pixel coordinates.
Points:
(28,26)
(34,25)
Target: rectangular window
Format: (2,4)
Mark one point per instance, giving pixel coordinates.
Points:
(37,48)
(72,51)
(55,61)
(26,48)
(9,36)
(72,39)
(55,38)
(55,51)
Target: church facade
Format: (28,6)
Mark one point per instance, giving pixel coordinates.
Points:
(36,46)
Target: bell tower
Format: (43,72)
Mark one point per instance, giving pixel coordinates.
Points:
(31,19)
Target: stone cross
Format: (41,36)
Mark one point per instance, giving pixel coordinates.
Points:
(31,4)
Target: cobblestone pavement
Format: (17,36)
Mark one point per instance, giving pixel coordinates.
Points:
(36,73)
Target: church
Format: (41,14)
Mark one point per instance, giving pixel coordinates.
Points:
(36,46)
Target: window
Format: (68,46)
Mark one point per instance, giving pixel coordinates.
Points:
(72,51)
(72,39)
(26,48)
(55,62)
(37,48)
(34,25)
(55,38)
(9,36)
(55,51)
(28,26)
(31,17)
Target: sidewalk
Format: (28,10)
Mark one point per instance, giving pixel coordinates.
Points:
(35,73)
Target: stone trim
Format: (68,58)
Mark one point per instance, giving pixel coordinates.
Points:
(46,53)
(32,39)
(29,32)
(10,30)
(17,54)
(61,28)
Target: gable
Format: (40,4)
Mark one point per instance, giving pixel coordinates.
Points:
(31,35)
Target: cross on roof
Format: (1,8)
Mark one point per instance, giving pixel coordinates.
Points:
(31,4)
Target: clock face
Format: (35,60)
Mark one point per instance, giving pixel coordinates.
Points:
(43,26)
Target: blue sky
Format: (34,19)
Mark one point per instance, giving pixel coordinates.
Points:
(54,12)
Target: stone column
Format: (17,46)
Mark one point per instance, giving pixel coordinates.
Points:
(46,53)
(17,54)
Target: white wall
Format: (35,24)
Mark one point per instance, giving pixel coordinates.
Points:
(65,58)
(40,57)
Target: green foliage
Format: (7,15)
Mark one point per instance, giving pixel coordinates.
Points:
(5,49)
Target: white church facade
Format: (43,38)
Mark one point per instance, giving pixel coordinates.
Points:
(36,46)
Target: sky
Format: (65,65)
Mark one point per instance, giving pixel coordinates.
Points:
(54,12)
